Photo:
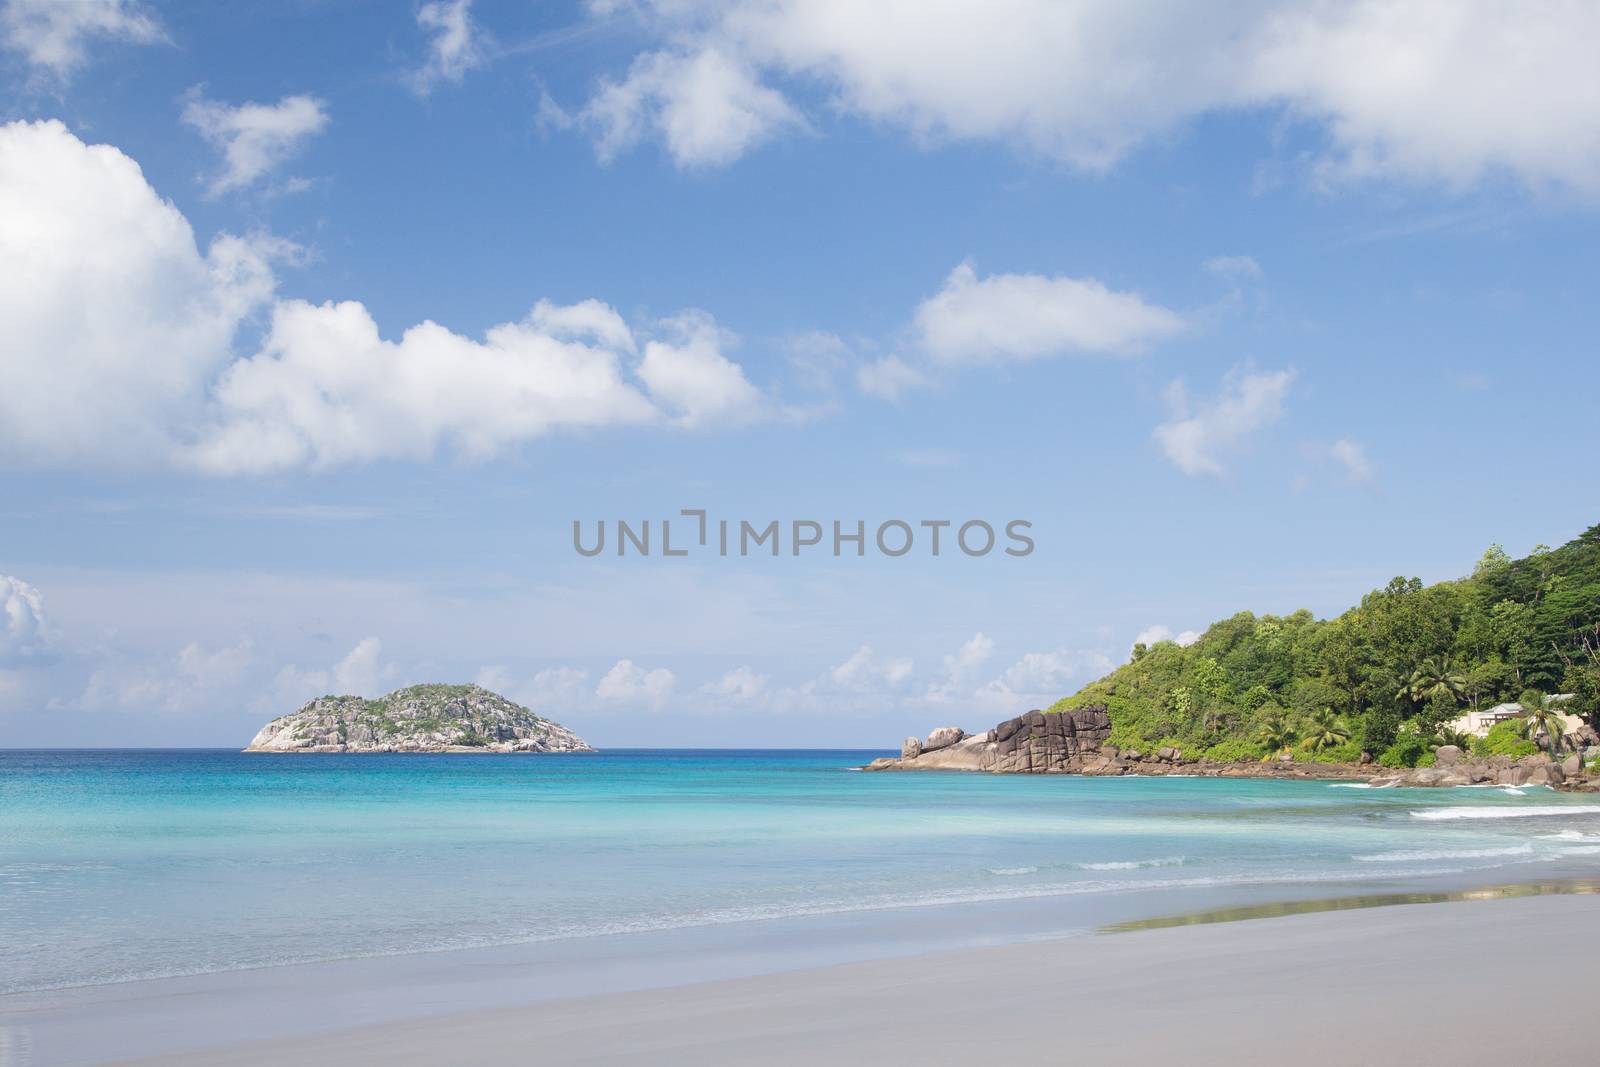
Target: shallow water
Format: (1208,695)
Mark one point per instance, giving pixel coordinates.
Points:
(133,864)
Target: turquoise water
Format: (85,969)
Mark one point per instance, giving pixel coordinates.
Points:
(123,865)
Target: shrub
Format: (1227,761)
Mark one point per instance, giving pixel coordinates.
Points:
(1505,739)
(1406,752)
(1231,749)
(1346,752)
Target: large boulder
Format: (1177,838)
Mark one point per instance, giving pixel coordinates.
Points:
(1546,774)
(1572,766)
(911,748)
(943,737)
(1511,776)
(1426,776)
(1447,755)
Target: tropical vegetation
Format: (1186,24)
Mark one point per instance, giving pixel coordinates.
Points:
(1385,677)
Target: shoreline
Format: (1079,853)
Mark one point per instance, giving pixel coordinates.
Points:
(1233,992)
(1078,742)
(308,1002)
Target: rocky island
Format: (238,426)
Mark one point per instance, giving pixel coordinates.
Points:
(421,718)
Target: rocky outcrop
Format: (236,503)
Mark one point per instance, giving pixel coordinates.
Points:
(423,718)
(1078,742)
(1035,743)
(1451,769)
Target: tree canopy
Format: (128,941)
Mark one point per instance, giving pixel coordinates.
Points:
(1387,673)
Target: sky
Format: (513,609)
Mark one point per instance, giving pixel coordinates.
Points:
(324,322)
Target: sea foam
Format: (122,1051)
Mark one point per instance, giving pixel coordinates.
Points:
(1533,811)
(1403,855)
(1131,865)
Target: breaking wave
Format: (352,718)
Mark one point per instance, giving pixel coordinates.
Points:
(1533,811)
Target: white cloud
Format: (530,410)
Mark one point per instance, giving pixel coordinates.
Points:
(889,378)
(52,34)
(456,45)
(1236,268)
(24,632)
(1151,635)
(558,687)
(254,139)
(740,686)
(192,681)
(960,667)
(360,673)
(1200,436)
(816,357)
(691,378)
(326,389)
(628,683)
(1430,90)
(103,275)
(554,690)
(705,105)
(1353,458)
(865,671)
(1039,679)
(1011,317)
(100,272)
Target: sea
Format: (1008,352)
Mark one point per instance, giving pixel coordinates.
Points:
(117,866)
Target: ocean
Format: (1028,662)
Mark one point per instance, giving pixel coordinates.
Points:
(122,865)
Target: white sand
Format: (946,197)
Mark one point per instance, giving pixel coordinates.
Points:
(1483,982)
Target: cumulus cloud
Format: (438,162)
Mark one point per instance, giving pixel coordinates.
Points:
(628,683)
(104,276)
(326,389)
(24,631)
(1427,90)
(361,673)
(1353,458)
(1151,635)
(455,44)
(740,686)
(959,668)
(705,106)
(254,139)
(101,273)
(1039,679)
(1200,436)
(191,681)
(52,35)
(867,671)
(687,374)
(1013,317)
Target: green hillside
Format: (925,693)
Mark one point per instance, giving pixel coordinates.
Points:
(1381,677)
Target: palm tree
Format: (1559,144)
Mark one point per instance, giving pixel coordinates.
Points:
(1324,730)
(1540,715)
(1449,735)
(1435,676)
(1276,734)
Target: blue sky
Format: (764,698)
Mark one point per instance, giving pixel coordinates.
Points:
(1252,310)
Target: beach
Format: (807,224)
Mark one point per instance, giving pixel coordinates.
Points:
(167,905)
(1464,983)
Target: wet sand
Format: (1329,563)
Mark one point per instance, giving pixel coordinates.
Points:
(1464,982)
